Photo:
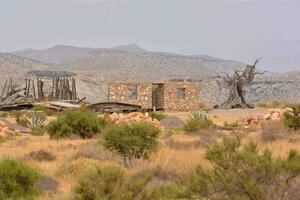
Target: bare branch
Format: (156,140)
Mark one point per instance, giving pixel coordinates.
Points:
(257,61)
(260,73)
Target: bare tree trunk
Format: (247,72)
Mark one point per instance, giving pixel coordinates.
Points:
(235,85)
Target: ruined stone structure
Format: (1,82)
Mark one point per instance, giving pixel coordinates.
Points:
(133,93)
(169,96)
(181,96)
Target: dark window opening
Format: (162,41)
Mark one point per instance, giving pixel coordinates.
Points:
(132,92)
(180,93)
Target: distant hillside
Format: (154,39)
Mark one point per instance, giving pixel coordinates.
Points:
(55,55)
(94,68)
(13,62)
(127,56)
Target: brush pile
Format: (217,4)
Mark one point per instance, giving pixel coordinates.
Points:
(13,96)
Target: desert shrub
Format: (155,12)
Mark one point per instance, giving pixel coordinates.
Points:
(273,130)
(78,122)
(234,124)
(17,180)
(198,120)
(49,184)
(137,140)
(96,152)
(17,113)
(292,119)
(78,167)
(6,138)
(242,172)
(273,104)
(35,123)
(3,114)
(198,115)
(112,183)
(59,129)
(44,109)
(183,145)
(194,125)
(41,155)
(102,183)
(156,115)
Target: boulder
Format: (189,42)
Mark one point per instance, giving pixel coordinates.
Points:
(276,116)
(267,116)
(172,121)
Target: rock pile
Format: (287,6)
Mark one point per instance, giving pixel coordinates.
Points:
(3,129)
(133,117)
(274,115)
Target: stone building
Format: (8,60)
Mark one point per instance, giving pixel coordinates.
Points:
(169,96)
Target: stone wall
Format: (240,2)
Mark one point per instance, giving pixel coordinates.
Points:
(158,96)
(119,92)
(189,103)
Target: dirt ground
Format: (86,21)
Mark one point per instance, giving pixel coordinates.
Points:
(220,116)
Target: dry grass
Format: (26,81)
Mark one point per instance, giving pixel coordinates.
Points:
(273,130)
(178,155)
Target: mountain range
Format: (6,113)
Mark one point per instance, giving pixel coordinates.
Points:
(95,67)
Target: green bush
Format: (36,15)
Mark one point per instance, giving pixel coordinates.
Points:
(102,183)
(292,119)
(196,124)
(156,115)
(137,140)
(78,122)
(112,183)
(17,180)
(242,172)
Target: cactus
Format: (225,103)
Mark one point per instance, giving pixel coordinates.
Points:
(198,115)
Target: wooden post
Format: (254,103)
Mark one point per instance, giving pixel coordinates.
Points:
(8,87)
(3,89)
(25,91)
(28,88)
(53,85)
(42,92)
(75,92)
(33,89)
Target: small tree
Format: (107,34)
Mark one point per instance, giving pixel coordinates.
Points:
(17,180)
(243,173)
(137,140)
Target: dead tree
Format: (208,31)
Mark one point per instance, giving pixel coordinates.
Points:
(235,84)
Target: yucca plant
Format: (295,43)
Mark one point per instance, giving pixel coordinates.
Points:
(35,124)
(198,115)
(37,121)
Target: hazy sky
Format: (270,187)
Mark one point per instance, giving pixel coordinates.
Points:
(234,29)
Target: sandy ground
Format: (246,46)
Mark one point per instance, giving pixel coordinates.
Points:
(220,116)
